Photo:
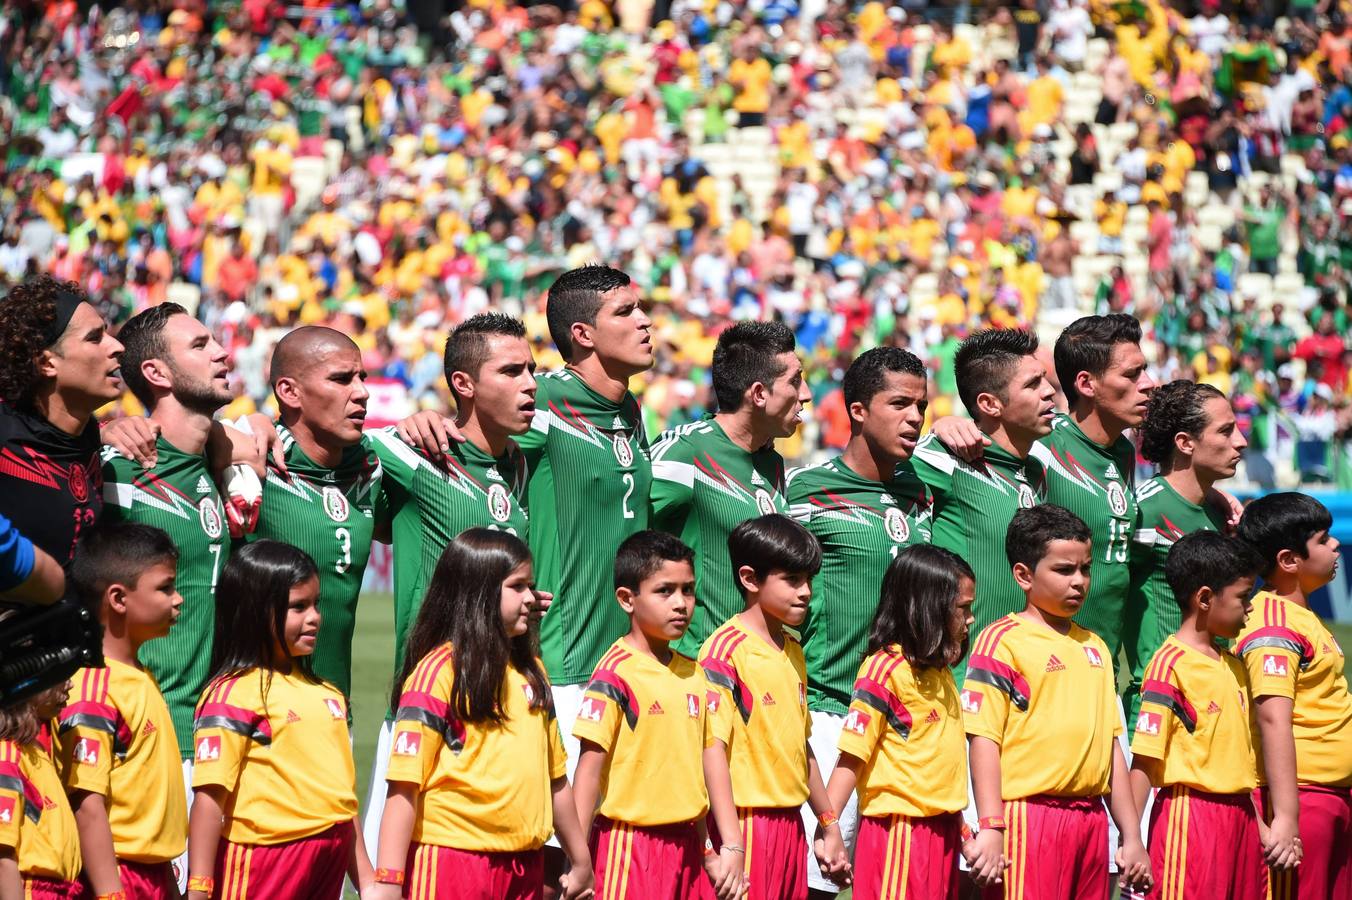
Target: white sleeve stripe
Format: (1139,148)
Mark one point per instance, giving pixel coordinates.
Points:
(540,421)
(1145,536)
(1041,453)
(937,458)
(118,494)
(388,439)
(679,472)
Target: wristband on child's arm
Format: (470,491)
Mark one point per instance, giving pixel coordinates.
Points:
(112,895)
(827,819)
(204,883)
(993,822)
(389,876)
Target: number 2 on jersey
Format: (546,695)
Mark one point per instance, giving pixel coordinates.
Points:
(628,479)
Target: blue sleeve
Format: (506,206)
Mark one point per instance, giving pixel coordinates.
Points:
(16,556)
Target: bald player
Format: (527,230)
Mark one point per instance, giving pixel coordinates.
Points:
(328,506)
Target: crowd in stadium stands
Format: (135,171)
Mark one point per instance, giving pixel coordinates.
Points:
(867,173)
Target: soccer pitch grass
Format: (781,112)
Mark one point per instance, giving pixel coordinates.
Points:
(373,669)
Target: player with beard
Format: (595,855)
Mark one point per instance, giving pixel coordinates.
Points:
(864,507)
(1191,433)
(173,365)
(58,364)
(710,476)
(327,504)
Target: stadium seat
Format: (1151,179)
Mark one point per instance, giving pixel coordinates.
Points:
(186,295)
(1256,285)
(307,179)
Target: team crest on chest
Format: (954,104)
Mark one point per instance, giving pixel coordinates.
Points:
(1117,498)
(1026,498)
(529,692)
(692,705)
(499,502)
(623,455)
(210,517)
(764,503)
(894,520)
(335,504)
(79,483)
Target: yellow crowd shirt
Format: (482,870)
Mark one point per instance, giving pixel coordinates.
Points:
(905,724)
(1194,720)
(1289,653)
(35,817)
(279,746)
(757,698)
(115,739)
(483,787)
(1049,700)
(649,718)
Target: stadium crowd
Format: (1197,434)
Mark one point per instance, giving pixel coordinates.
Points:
(869,174)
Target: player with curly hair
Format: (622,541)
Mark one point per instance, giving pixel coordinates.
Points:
(58,364)
(1190,432)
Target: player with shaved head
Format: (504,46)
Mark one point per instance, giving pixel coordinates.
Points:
(325,504)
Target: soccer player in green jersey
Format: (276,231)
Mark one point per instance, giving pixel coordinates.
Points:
(479,482)
(178,371)
(710,476)
(1005,389)
(863,506)
(1190,432)
(328,506)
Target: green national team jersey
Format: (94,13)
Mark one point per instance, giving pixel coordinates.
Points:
(178,496)
(1096,483)
(330,514)
(704,486)
(973,506)
(590,477)
(1162,517)
(861,524)
(430,505)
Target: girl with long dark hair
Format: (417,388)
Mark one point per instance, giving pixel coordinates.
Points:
(477,778)
(275,797)
(903,744)
(39,844)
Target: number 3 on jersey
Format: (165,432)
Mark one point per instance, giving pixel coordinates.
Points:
(344,561)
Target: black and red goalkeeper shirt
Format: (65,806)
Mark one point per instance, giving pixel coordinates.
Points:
(51,484)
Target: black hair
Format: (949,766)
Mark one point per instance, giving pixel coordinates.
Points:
(253,594)
(1032,530)
(985,363)
(1086,345)
(643,553)
(1207,559)
(1282,521)
(463,608)
(745,355)
(467,347)
(577,296)
(116,553)
(1174,407)
(773,542)
(867,374)
(142,338)
(915,606)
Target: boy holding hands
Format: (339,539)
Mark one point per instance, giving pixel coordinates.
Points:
(1304,709)
(117,749)
(1192,738)
(1041,715)
(643,730)
(757,696)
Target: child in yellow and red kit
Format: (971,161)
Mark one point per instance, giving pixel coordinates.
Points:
(1192,739)
(116,744)
(903,746)
(643,728)
(758,710)
(1040,707)
(1304,710)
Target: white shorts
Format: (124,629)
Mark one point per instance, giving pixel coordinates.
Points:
(181,863)
(375,796)
(825,741)
(567,703)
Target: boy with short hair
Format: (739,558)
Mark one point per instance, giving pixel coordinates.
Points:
(1304,708)
(1042,718)
(758,714)
(117,749)
(643,729)
(1192,738)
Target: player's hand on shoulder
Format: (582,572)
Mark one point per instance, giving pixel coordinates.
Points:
(1133,866)
(962,437)
(987,857)
(576,883)
(134,437)
(1282,845)
(430,432)
(250,445)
